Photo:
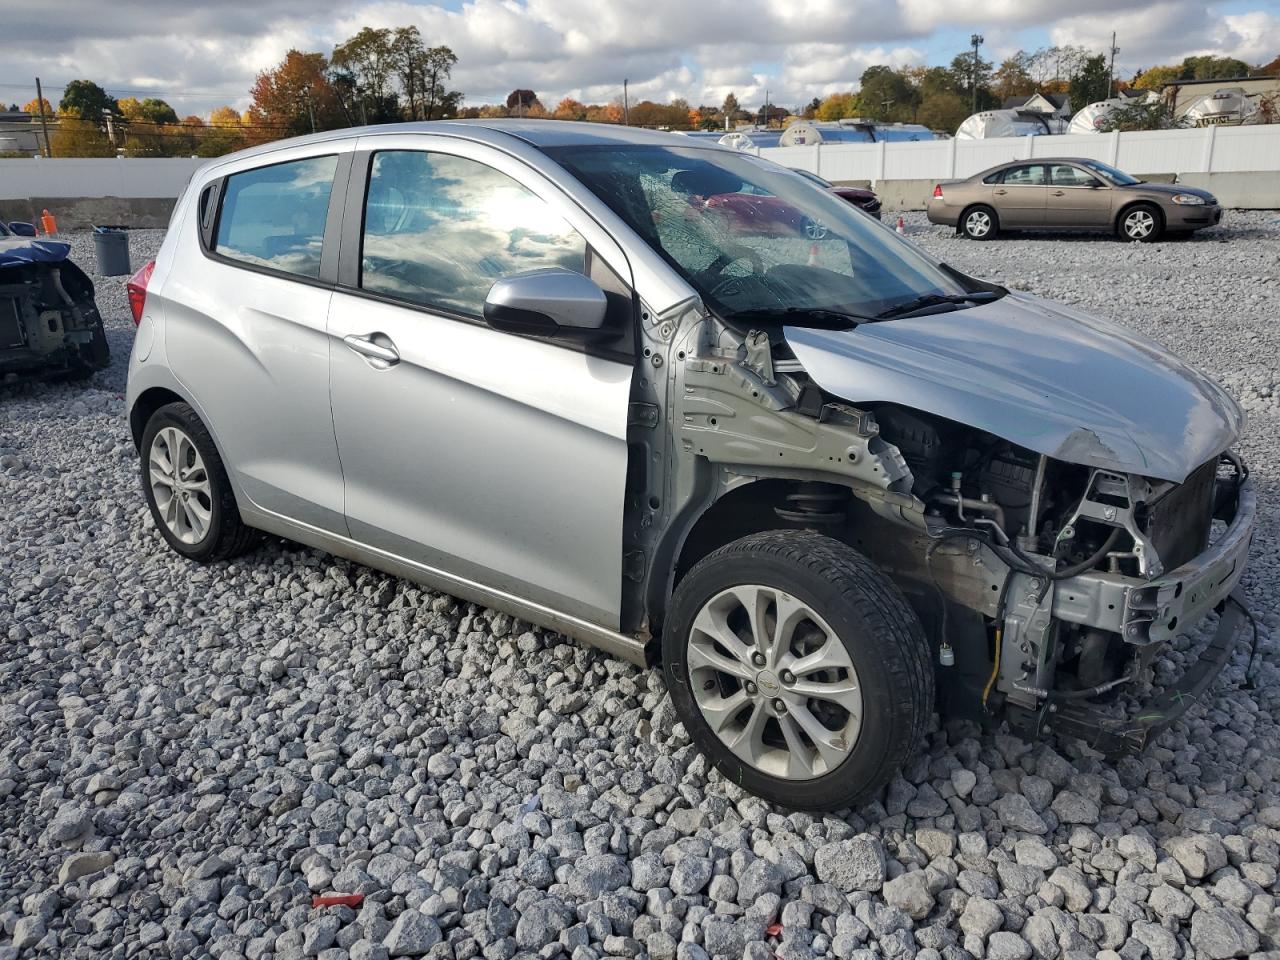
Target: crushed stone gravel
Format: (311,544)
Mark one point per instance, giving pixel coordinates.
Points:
(190,754)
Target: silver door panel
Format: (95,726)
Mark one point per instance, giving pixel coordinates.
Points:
(497,458)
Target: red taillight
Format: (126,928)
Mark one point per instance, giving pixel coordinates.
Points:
(137,287)
(937,192)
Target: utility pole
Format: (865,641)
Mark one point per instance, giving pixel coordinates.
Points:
(44,124)
(1111,67)
(111,130)
(976,40)
(311,113)
(626,106)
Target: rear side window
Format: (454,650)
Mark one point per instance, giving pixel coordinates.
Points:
(1065,175)
(440,229)
(274,216)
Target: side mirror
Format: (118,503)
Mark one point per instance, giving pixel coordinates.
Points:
(20,229)
(553,302)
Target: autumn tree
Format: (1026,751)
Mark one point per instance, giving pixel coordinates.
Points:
(150,110)
(288,96)
(1013,78)
(838,106)
(1155,78)
(570,109)
(730,106)
(33,107)
(75,137)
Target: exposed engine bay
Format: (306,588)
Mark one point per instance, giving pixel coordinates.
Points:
(49,323)
(1046,585)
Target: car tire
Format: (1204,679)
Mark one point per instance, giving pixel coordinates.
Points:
(980,223)
(848,625)
(1140,223)
(186,487)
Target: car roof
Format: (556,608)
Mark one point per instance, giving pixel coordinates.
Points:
(538,133)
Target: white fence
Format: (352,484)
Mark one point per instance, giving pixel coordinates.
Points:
(29,177)
(1200,150)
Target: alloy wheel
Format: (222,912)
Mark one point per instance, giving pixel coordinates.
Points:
(774,682)
(1139,224)
(180,485)
(978,223)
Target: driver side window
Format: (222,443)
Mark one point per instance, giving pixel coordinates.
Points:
(439,230)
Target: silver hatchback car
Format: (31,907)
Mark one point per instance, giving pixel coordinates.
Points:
(685,405)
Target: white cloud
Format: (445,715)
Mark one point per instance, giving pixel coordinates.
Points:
(198,56)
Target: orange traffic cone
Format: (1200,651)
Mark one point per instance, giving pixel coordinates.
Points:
(900,226)
(49,224)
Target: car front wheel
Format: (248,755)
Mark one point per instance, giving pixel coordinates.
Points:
(798,668)
(1141,223)
(979,223)
(186,487)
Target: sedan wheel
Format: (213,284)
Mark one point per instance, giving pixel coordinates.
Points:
(180,485)
(774,682)
(1141,224)
(979,223)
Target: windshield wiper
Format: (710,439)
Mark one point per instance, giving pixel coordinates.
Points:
(818,318)
(935,299)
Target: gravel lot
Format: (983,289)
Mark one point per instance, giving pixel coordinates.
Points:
(189,754)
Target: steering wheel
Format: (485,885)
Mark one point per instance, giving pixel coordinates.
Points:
(731,255)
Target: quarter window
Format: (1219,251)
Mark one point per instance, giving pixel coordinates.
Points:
(440,230)
(274,216)
(1028,176)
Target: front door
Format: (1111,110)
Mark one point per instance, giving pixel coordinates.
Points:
(1076,198)
(493,457)
(1020,197)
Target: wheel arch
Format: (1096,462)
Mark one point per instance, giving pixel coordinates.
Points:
(1120,214)
(969,208)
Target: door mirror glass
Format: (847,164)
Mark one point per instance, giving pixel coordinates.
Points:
(20,229)
(552,302)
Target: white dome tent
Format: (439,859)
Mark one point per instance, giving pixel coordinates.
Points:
(1009,123)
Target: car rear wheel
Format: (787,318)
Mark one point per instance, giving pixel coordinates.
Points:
(1141,222)
(187,489)
(798,668)
(979,223)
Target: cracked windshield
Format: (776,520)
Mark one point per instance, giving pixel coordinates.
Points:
(752,236)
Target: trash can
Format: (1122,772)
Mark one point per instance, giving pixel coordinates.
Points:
(111,248)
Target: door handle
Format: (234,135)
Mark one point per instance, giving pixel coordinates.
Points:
(1001,193)
(1059,193)
(388,355)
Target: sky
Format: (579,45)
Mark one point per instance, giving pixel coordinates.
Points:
(206,53)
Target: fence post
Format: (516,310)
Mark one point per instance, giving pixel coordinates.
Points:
(880,148)
(951,159)
(1210,137)
(1115,148)
(817,158)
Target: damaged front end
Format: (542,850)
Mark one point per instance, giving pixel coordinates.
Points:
(1050,568)
(50,327)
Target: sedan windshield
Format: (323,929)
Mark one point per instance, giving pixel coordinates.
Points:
(750,235)
(1118,177)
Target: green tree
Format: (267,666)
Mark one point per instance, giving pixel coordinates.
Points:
(730,106)
(1092,83)
(369,58)
(437,65)
(887,94)
(943,111)
(1138,114)
(1214,68)
(86,100)
(962,68)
